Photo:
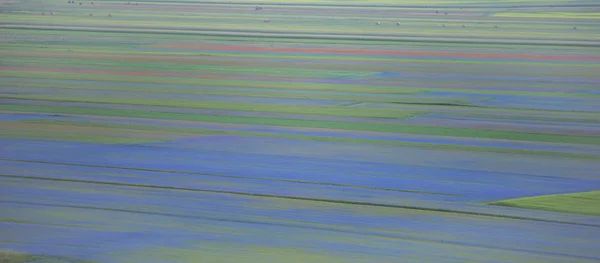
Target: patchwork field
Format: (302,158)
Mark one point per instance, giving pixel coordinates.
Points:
(299,131)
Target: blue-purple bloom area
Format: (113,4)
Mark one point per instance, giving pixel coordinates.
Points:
(299,131)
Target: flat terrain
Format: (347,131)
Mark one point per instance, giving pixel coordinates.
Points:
(300,131)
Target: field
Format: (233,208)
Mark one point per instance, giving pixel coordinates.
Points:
(581,203)
(299,131)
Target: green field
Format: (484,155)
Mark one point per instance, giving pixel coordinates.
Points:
(578,203)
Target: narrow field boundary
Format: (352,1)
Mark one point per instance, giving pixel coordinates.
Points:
(231,176)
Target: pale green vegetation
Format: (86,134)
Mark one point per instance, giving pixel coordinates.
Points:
(216,253)
(578,15)
(238,106)
(67,134)
(7,256)
(587,203)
